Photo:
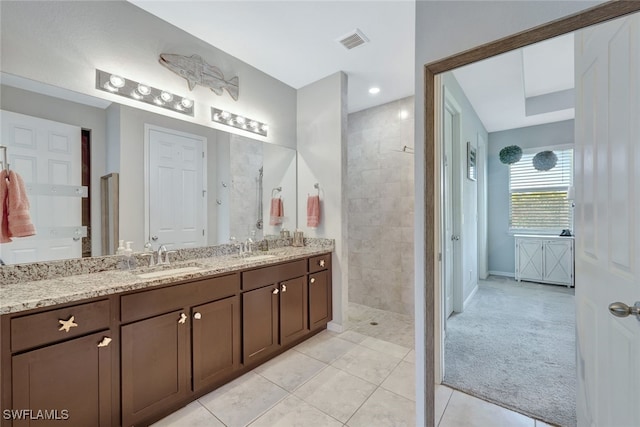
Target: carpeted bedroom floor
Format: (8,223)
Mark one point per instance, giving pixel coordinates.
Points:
(514,345)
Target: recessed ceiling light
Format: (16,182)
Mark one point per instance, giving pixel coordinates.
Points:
(374,90)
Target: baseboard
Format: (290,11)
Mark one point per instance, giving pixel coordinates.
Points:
(468,300)
(502,273)
(335,327)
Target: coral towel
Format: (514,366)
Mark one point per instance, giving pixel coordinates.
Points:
(20,224)
(313,211)
(4,214)
(277,211)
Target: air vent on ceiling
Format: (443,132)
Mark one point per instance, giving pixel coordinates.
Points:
(353,39)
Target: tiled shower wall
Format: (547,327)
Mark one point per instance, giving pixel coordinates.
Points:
(381,203)
(245,163)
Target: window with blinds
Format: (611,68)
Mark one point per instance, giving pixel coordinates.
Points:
(538,199)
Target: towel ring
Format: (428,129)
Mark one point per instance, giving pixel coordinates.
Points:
(317,187)
(275,190)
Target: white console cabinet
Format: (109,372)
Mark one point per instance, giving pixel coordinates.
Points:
(544,259)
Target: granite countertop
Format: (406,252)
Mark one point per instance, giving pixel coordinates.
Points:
(26,295)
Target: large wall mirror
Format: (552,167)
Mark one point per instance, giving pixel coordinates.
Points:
(175,178)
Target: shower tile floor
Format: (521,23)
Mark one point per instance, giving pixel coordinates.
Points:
(362,377)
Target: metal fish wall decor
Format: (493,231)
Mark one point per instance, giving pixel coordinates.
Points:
(198,72)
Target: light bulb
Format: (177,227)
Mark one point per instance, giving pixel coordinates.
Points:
(158,101)
(253,124)
(225,115)
(216,117)
(166,96)
(374,90)
(117,81)
(186,102)
(144,89)
(240,120)
(109,87)
(265,127)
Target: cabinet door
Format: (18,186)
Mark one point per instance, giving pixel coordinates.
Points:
(558,261)
(71,380)
(154,365)
(293,310)
(530,259)
(260,322)
(215,341)
(319,299)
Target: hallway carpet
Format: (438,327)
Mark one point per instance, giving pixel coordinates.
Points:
(514,345)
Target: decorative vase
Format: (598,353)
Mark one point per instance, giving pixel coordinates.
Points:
(511,154)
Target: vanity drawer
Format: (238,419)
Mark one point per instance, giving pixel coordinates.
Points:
(319,263)
(38,329)
(254,279)
(159,301)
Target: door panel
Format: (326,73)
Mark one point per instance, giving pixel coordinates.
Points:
(607,213)
(293,309)
(48,157)
(260,323)
(177,208)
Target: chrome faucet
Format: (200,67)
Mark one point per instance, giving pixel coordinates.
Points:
(163,249)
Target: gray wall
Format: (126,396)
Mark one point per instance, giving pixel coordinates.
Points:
(380,209)
(470,128)
(62,43)
(480,22)
(501,243)
(322,159)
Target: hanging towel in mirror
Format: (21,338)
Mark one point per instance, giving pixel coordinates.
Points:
(20,224)
(277,211)
(4,214)
(313,211)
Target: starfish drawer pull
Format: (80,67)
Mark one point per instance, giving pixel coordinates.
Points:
(67,324)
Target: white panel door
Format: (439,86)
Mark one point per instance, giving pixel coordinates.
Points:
(47,155)
(177,208)
(607,172)
(448,213)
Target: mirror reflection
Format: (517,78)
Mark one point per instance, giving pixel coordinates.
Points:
(178,183)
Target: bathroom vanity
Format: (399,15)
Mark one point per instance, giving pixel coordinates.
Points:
(128,348)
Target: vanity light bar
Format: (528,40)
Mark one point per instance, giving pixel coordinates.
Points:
(237,121)
(113,83)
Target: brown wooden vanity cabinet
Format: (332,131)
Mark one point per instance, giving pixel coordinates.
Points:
(194,324)
(64,371)
(170,344)
(274,308)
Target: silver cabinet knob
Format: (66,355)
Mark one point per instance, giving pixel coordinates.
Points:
(284,288)
(313,280)
(183,318)
(197,316)
(275,291)
(321,263)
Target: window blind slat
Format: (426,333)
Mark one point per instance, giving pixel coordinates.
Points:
(538,199)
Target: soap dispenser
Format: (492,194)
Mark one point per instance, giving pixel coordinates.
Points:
(120,250)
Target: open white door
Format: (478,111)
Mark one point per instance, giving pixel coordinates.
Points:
(607,172)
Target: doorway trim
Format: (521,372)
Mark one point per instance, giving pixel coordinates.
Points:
(432,270)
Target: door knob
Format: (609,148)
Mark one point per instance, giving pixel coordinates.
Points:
(620,309)
(454,237)
(154,238)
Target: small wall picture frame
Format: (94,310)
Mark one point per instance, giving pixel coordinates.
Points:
(472,168)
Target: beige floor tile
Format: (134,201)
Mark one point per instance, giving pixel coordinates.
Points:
(385,347)
(410,357)
(336,393)
(293,412)
(193,415)
(443,394)
(386,409)
(467,411)
(368,364)
(325,347)
(402,380)
(353,336)
(542,424)
(290,370)
(241,401)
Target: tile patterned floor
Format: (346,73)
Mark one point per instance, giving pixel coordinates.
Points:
(362,377)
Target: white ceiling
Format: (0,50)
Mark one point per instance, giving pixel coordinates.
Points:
(295,41)
(498,87)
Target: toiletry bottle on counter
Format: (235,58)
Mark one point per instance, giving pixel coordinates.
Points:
(298,238)
(120,250)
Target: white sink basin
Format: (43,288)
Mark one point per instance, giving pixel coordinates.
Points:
(259,257)
(171,272)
